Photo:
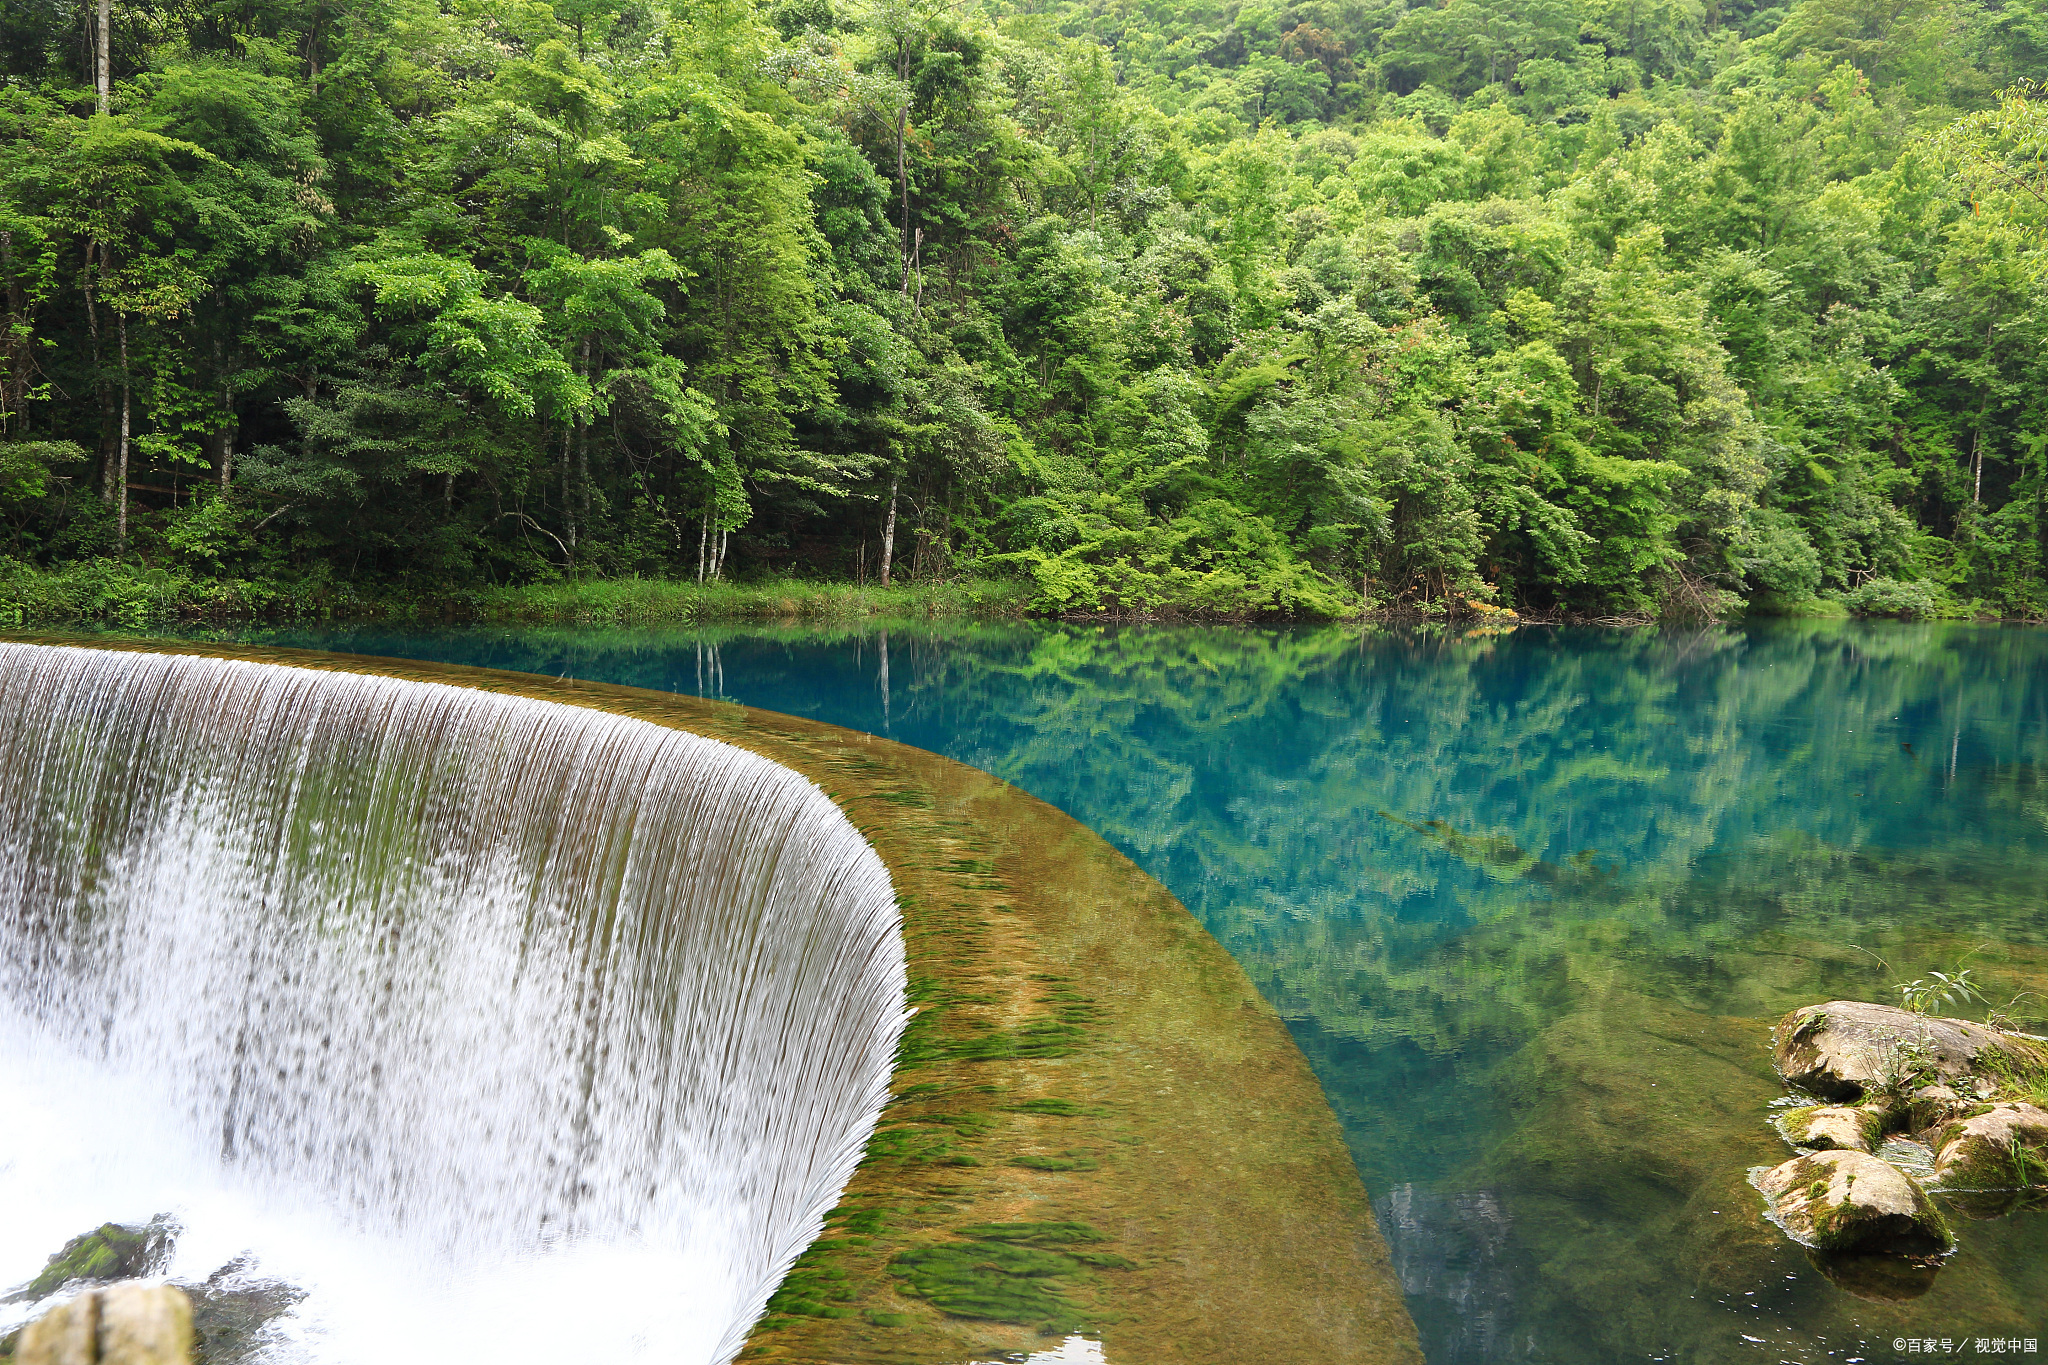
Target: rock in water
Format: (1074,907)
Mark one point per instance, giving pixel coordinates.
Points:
(1833,1127)
(236,1311)
(145,1324)
(111,1251)
(1846,1049)
(2005,1147)
(66,1335)
(124,1324)
(1934,1105)
(1851,1201)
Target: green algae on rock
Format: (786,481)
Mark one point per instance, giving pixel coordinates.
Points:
(1999,1146)
(1852,1201)
(1855,1195)
(112,1251)
(1846,1050)
(1824,1127)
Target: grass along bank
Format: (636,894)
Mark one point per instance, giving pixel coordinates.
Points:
(107,592)
(646,601)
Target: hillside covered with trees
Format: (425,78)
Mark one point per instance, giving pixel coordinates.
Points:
(1590,307)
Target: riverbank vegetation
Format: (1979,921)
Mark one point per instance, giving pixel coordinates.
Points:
(1207,308)
(122,594)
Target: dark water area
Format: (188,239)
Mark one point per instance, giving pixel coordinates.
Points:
(1529,901)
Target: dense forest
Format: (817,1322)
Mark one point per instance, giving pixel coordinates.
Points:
(1586,307)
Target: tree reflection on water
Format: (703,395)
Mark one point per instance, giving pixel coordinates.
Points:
(1529,900)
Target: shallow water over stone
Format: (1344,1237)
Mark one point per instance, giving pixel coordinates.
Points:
(1530,904)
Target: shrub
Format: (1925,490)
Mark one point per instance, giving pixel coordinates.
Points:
(1908,601)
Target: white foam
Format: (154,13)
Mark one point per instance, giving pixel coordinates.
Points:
(508,1031)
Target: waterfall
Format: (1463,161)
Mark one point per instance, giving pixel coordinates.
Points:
(488,983)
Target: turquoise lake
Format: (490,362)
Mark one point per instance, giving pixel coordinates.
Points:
(1530,902)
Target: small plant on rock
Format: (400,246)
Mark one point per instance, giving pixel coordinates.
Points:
(2005,1018)
(2029,1168)
(2016,1078)
(1901,1065)
(1923,995)
(1938,989)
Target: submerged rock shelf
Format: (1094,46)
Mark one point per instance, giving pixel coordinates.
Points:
(1096,1124)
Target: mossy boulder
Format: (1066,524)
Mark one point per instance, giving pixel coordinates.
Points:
(1847,1049)
(1932,1106)
(1851,1201)
(112,1251)
(2002,1147)
(1832,1127)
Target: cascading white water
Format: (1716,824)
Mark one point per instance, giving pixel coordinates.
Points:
(465,980)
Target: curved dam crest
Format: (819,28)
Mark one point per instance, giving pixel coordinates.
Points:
(497,977)
(1099,1142)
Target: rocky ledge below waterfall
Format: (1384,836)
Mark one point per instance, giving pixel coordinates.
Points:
(1914,1108)
(117,1314)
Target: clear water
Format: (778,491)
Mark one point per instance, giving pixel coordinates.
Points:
(1529,902)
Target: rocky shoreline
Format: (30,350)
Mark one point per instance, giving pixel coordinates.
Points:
(1917,1117)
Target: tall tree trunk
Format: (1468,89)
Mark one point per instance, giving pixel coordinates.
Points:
(903,179)
(14,385)
(313,48)
(703,537)
(1977,489)
(99,381)
(917,264)
(104,67)
(902,157)
(224,435)
(121,465)
(583,449)
(889,528)
(568,507)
